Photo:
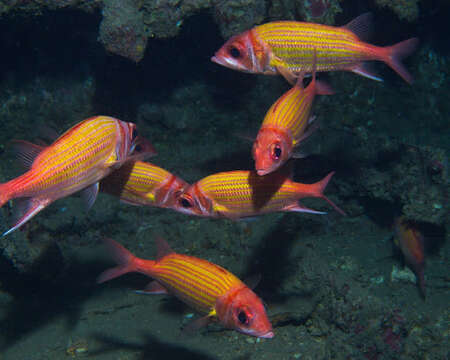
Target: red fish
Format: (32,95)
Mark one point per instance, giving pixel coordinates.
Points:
(77,160)
(142,183)
(239,194)
(286,125)
(287,48)
(410,241)
(208,288)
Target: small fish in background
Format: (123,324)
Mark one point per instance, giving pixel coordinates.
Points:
(208,288)
(243,193)
(287,48)
(142,183)
(287,123)
(411,243)
(76,161)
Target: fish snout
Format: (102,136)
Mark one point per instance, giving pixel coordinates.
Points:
(267,335)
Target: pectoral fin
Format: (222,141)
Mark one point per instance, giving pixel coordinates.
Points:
(89,195)
(197,324)
(287,74)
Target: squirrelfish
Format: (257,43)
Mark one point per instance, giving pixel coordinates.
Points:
(243,193)
(286,124)
(142,183)
(208,288)
(411,243)
(287,48)
(77,160)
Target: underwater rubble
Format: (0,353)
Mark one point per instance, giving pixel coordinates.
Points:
(335,286)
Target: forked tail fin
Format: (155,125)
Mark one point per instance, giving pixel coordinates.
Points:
(4,194)
(319,188)
(125,260)
(399,51)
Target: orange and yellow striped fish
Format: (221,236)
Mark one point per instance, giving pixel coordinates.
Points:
(287,123)
(287,48)
(142,183)
(208,288)
(243,193)
(77,160)
(410,241)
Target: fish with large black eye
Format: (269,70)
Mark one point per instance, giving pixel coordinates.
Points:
(276,152)
(236,56)
(234,52)
(185,203)
(286,125)
(242,317)
(208,288)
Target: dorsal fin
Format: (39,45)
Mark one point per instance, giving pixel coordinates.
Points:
(361,26)
(26,151)
(162,248)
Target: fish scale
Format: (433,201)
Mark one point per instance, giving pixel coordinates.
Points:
(289,47)
(208,288)
(77,160)
(142,183)
(243,193)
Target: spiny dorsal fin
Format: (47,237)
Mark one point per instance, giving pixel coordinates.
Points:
(361,26)
(26,151)
(162,248)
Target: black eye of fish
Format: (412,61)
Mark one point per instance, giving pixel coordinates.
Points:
(234,52)
(277,152)
(185,203)
(242,317)
(138,148)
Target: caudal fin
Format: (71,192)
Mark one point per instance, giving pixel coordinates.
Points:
(320,188)
(399,51)
(124,259)
(4,194)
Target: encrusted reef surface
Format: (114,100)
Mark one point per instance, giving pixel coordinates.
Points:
(128,24)
(335,287)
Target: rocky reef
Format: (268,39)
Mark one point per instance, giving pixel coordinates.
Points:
(127,25)
(333,284)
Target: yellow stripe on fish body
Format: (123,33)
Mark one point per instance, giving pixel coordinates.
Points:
(84,146)
(290,113)
(293,44)
(143,180)
(246,193)
(197,282)
(143,183)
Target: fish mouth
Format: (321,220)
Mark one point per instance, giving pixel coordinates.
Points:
(218,60)
(267,335)
(262,172)
(227,62)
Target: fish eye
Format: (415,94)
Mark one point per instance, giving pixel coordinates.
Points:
(138,148)
(234,52)
(276,152)
(242,317)
(185,203)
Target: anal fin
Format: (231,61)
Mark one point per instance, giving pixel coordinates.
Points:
(364,69)
(153,288)
(300,208)
(25,209)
